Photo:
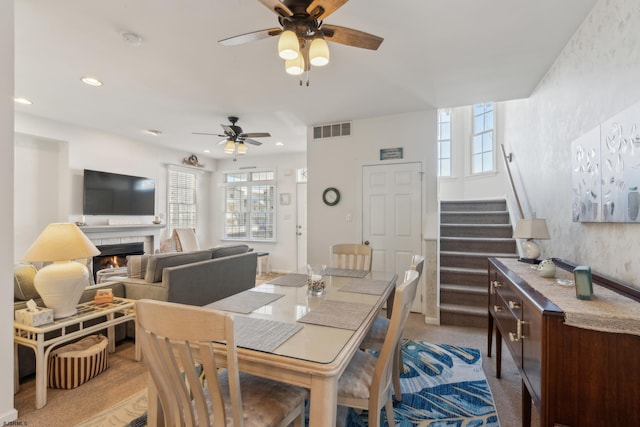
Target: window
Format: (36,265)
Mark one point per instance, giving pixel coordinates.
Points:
(250,206)
(181,197)
(482,152)
(444,142)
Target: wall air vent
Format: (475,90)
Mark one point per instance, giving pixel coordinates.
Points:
(332,130)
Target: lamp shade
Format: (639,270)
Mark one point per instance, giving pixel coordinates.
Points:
(61,284)
(319,52)
(288,45)
(60,242)
(534,228)
(229,147)
(242,148)
(295,67)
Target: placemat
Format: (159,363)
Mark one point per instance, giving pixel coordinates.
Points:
(337,314)
(345,272)
(244,302)
(262,334)
(365,286)
(292,279)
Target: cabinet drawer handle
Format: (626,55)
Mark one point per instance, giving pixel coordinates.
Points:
(497,308)
(514,304)
(517,336)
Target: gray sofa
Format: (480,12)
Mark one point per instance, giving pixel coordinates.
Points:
(195,278)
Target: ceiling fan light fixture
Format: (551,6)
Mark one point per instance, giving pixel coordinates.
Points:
(319,52)
(229,147)
(295,67)
(242,148)
(288,45)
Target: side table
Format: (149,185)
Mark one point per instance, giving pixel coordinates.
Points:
(119,311)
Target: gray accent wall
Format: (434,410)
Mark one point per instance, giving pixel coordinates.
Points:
(595,77)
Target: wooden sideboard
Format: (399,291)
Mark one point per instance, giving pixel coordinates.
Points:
(575,377)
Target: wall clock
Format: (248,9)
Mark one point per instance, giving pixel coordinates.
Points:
(331,196)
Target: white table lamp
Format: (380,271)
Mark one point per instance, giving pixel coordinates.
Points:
(535,228)
(61,283)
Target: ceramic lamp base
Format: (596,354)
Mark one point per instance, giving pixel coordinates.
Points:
(531,249)
(61,285)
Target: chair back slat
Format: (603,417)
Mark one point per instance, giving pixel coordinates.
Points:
(351,256)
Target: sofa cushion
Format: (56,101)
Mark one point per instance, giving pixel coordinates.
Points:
(137,266)
(23,287)
(226,250)
(159,262)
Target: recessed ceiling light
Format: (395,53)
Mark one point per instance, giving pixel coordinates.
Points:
(91,81)
(132,39)
(280,144)
(206,150)
(153,132)
(23,101)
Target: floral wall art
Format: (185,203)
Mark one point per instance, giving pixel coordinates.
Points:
(606,170)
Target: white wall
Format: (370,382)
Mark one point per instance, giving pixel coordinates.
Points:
(462,185)
(282,253)
(337,162)
(7,411)
(50,153)
(596,76)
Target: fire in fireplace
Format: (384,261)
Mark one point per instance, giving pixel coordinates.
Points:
(115,256)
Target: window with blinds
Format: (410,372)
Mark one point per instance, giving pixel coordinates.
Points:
(181,196)
(250,206)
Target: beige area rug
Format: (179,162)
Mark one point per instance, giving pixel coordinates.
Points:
(120,414)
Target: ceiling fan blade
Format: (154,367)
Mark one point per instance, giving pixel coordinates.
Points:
(204,133)
(224,141)
(320,9)
(278,7)
(255,135)
(351,37)
(229,130)
(250,37)
(252,141)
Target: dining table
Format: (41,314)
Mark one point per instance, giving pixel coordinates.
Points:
(284,333)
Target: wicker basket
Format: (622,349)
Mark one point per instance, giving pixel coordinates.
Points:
(74,364)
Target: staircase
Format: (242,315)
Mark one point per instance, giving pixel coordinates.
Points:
(470,231)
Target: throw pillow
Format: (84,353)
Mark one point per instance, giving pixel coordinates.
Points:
(137,266)
(23,288)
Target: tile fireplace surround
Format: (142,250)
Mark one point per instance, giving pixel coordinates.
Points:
(149,234)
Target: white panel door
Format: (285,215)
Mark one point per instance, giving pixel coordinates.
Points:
(301,224)
(392,217)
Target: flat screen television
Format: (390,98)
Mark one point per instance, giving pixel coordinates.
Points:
(106,193)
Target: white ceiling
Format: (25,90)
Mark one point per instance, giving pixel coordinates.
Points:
(436,53)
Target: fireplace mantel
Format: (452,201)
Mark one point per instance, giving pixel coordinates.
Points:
(124,233)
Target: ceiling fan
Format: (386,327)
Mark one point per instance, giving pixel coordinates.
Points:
(235,138)
(303,33)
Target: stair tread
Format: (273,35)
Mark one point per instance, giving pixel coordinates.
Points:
(457,308)
(477,290)
(470,212)
(480,254)
(463,270)
(489,239)
(480,224)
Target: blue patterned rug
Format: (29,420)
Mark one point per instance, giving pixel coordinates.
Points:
(442,386)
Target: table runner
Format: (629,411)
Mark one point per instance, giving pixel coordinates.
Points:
(607,311)
(262,334)
(244,302)
(346,272)
(292,279)
(337,314)
(365,286)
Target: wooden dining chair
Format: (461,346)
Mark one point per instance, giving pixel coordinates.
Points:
(376,335)
(366,382)
(351,256)
(186,239)
(170,336)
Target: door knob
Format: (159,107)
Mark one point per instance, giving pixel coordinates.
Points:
(366,242)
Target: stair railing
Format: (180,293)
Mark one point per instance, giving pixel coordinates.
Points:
(513,187)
